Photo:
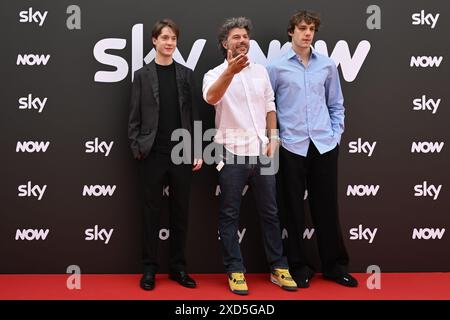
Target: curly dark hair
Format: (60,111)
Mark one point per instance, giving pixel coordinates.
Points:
(229,24)
(306,16)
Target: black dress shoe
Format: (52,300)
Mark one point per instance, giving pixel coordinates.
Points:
(345,280)
(301,281)
(148,281)
(302,276)
(183,279)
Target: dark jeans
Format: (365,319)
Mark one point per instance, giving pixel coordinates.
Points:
(232,180)
(318,174)
(153,171)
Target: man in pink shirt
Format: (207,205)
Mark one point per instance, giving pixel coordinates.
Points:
(245,116)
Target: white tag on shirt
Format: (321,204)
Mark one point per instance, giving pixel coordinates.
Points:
(220,165)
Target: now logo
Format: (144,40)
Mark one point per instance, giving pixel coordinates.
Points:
(350,65)
(32,59)
(362,190)
(307,234)
(32,146)
(98,190)
(425,61)
(244,191)
(341,55)
(426,147)
(428,233)
(31,234)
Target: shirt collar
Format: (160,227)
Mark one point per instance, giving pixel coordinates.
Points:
(291,53)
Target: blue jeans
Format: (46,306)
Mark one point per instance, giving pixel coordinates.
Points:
(232,180)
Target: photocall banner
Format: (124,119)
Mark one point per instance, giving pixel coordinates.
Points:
(69,184)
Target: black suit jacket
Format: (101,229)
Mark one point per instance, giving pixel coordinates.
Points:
(144,106)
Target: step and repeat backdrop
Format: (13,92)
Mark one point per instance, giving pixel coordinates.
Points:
(69,185)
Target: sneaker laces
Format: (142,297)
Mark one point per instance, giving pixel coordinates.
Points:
(239,279)
(284,274)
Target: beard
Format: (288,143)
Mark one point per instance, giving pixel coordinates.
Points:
(240,49)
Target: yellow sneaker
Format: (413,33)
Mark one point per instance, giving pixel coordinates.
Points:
(237,283)
(283,278)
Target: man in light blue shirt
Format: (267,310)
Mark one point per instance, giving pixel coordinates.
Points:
(310,112)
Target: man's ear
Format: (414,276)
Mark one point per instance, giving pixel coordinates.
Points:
(225,44)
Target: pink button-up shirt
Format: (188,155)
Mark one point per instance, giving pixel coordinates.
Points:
(241,112)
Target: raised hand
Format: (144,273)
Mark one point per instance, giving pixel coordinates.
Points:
(236,64)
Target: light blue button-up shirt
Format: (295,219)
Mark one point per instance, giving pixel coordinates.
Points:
(309,102)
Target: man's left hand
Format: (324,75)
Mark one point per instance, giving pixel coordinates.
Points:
(197,164)
(272,147)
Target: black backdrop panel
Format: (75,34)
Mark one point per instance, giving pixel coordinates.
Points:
(390,152)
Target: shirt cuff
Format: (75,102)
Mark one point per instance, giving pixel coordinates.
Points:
(271,107)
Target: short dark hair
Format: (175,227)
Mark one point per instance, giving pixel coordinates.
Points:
(306,16)
(229,24)
(159,25)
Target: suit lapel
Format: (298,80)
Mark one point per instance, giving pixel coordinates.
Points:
(153,77)
(180,83)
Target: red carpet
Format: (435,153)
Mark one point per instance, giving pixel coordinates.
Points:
(398,286)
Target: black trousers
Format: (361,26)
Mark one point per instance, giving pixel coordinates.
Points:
(318,174)
(153,171)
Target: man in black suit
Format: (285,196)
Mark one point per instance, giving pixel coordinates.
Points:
(162,100)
